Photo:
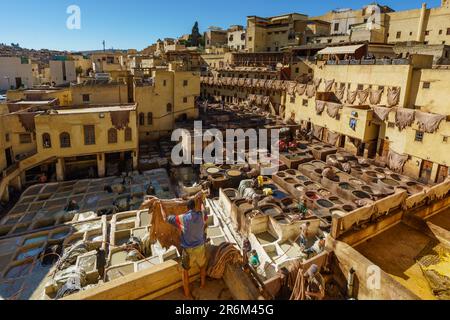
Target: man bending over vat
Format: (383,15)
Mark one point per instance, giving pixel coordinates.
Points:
(193,239)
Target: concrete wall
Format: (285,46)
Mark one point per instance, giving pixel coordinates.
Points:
(57,72)
(12,68)
(100,94)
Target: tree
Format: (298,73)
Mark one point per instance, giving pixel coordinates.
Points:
(79,71)
(195,35)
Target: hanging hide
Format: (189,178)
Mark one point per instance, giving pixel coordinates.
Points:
(120,119)
(329,85)
(404,118)
(317,82)
(375,96)
(429,122)
(320,106)
(340,93)
(363,95)
(382,112)
(333,137)
(333,109)
(351,96)
(396,161)
(393,96)
(310,91)
(27,121)
(300,89)
(317,131)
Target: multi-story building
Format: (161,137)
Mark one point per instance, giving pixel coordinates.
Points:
(168,96)
(16,73)
(236,38)
(274,33)
(215,37)
(62,71)
(104,62)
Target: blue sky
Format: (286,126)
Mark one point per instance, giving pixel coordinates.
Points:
(137,23)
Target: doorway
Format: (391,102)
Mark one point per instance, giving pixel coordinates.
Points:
(9,158)
(442,174)
(425,171)
(18,83)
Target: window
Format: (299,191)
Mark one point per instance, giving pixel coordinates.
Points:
(297,70)
(185,83)
(86,98)
(391,125)
(25,138)
(399,35)
(112,135)
(336,27)
(250,39)
(448,31)
(440,32)
(243,37)
(46,141)
(445,139)
(305,102)
(64,140)
(426,85)
(419,136)
(169,107)
(292,99)
(141,119)
(165,83)
(150,118)
(7,137)
(231,38)
(89,135)
(128,135)
(185,100)
(268,49)
(360,87)
(410,33)
(329,40)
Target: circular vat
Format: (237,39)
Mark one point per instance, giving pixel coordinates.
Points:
(361,195)
(325,203)
(390,182)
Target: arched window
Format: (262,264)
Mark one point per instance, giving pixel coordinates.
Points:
(128,134)
(46,141)
(150,118)
(169,108)
(141,119)
(112,135)
(64,140)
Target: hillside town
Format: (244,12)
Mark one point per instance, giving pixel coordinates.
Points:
(347,115)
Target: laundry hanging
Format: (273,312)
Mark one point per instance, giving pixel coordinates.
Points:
(353,123)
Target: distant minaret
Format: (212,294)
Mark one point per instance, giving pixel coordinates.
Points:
(104,45)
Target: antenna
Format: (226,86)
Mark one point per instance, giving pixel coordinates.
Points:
(104,45)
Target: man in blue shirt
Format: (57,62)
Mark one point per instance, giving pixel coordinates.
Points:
(193,239)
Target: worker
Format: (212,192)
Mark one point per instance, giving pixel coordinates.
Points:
(314,287)
(43,178)
(151,190)
(254,259)
(304,233)
(303,207)
(329,173)
(72,206)
(317,248)
(101,262)
(192,227)
(246,250)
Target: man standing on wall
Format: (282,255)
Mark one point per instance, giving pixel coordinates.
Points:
(192,227)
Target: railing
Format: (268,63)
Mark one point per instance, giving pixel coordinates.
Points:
(370,62)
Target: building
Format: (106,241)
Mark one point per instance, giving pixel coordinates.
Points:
(98,92)
(167,97)
(104,62)
(273,33)
(16,73)
(62,72)
(63,95)
(236,38)
(215,37)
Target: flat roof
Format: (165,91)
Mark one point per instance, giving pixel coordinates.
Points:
(99,109)
(341,50)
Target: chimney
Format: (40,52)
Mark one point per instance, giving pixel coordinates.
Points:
(421,29)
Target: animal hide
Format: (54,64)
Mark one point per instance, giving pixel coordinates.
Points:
(333,109)
(351,96)
(393,96)
(310,91)
(120,119)
(363,95)
(396,161)
(340,93)
(382,112)
(269,84)
(261,83)
(235,81)
(429,122)
(300,88)
(333,137)
(320,106)
(317,82)
(27,121)
(329,85)
(317,132)
(404,118)
(220,257)
(241,82)
(162,231)
(375,96)
(291,87)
